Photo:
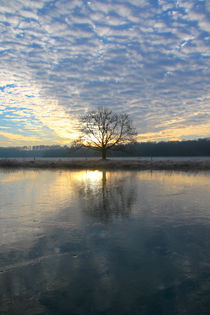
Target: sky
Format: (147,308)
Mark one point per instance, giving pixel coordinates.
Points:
(61,58)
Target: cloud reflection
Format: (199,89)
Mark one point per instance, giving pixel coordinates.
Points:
(74,242)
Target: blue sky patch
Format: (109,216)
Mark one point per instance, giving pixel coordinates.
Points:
(148,58)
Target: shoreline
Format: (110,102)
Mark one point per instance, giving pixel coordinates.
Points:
(166,163)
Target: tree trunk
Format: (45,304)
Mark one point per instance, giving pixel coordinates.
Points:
(103,153)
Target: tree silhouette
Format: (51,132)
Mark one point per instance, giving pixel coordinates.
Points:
(102,130)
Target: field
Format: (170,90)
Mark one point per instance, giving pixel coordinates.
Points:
(181,163)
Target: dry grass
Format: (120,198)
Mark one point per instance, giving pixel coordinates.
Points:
(111,164)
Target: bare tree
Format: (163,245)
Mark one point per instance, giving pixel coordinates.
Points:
(102,130)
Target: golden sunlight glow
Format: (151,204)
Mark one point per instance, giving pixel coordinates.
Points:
(93,176)
(90,177)
(45,121)
(57,188)
(175,133)
(19,138)
(39,112)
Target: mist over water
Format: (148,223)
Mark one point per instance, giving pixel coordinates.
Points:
(97,242)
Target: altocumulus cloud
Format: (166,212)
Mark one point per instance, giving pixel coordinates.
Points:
(60,58)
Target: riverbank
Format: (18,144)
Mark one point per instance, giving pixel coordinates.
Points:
(110,164)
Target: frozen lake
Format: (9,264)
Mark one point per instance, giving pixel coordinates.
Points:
(104,242)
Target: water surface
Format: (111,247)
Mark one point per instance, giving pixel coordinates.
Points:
(90,242)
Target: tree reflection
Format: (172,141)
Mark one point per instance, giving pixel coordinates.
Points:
(113,196)
(59,264)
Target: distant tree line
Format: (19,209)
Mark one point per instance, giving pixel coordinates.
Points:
(200,147)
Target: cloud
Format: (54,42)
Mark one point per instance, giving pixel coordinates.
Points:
(19,138)
(61,58)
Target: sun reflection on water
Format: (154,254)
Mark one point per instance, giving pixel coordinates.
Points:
(63,230)
(93,177)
